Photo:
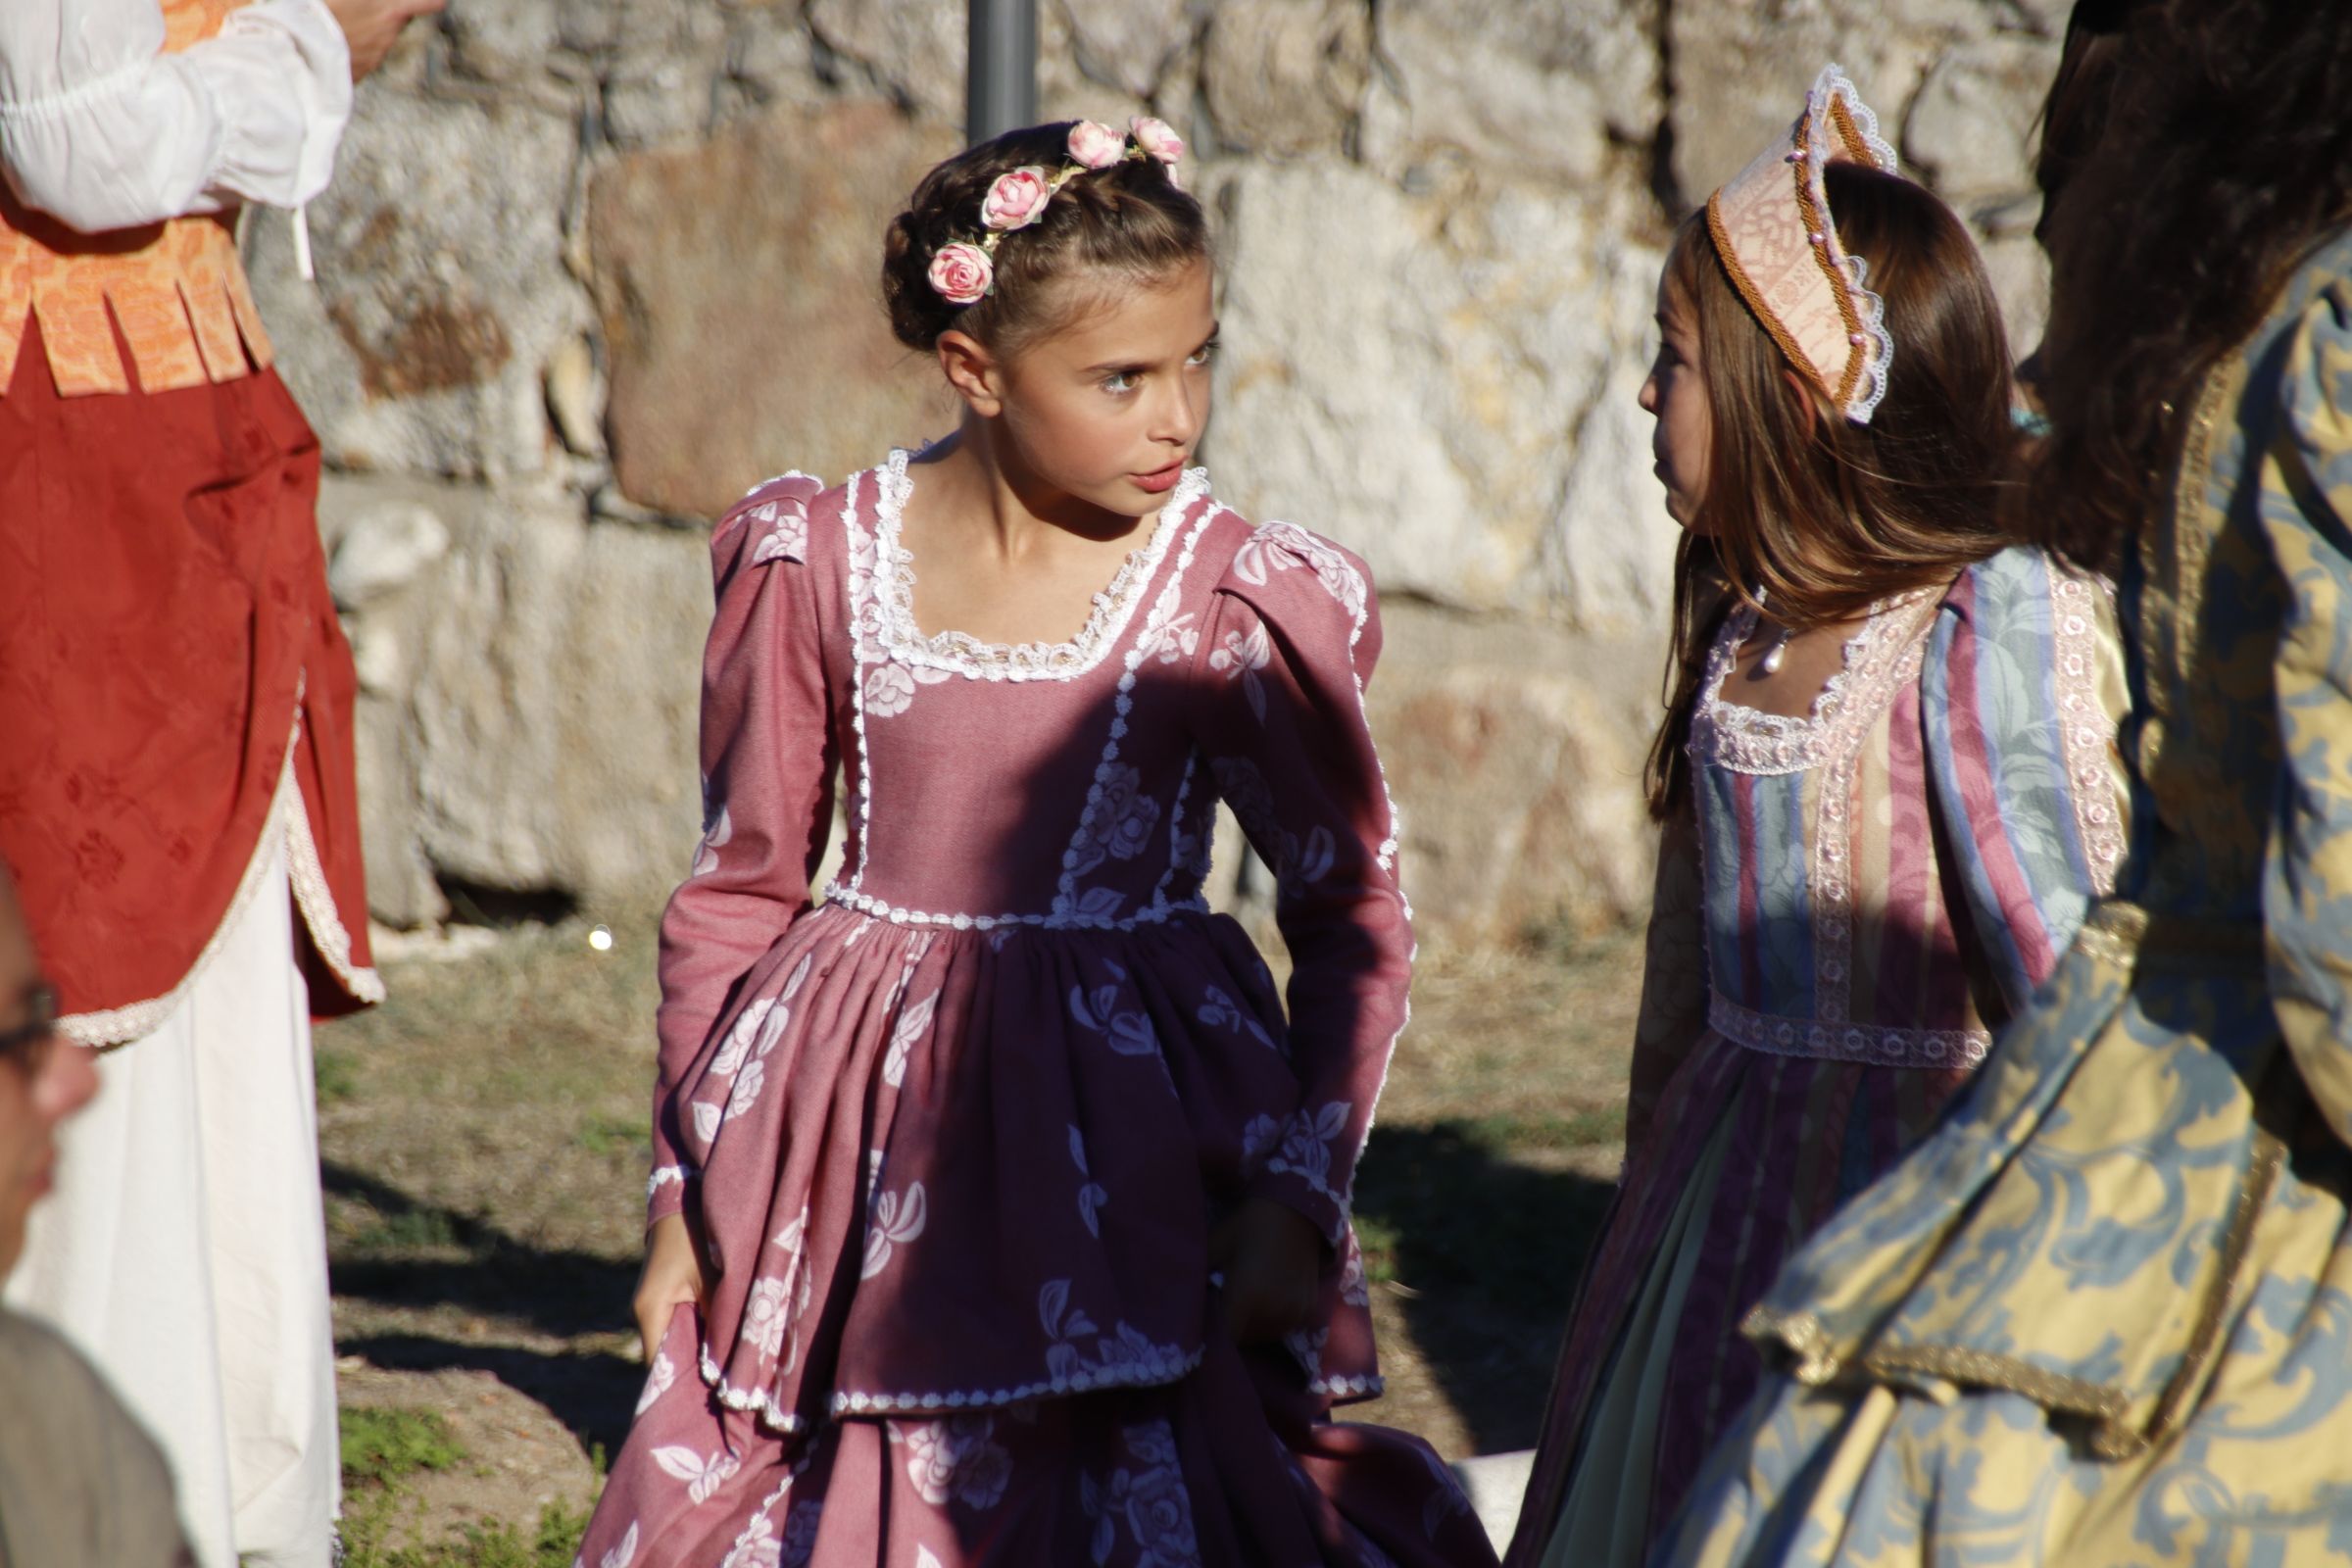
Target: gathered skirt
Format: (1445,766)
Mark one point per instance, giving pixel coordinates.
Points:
(957,1189)
(1234,1465)
(1752,1151)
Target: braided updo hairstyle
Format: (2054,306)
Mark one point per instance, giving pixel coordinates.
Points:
(1128,221)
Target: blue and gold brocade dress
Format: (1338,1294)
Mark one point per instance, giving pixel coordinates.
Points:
(2103,1314)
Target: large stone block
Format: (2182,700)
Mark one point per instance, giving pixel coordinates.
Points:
(1285,77)
(506,41)
(912,49)
(1515,754)
(1740,70)
(1528,89)
(527,719)
(1970,130)
(1416,375)
(1128,45)
(742,321)
(441,288)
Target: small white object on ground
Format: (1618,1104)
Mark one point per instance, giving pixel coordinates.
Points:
(601,938)
(1495,1483)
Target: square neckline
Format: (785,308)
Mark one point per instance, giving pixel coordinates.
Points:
(1112,607)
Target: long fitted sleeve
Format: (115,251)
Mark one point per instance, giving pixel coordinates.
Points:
(1292,637)
(2306,500)
(767,766)
(102,129)
(2020,695)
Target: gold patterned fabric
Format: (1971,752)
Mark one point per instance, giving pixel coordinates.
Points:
(176,290)
(2105,1313)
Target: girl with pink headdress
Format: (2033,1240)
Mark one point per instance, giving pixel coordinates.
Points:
(1887,779)
(999,1217)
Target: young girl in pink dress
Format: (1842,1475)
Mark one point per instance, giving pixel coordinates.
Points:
(999,1217)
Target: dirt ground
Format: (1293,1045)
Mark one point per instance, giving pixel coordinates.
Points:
(484,1154)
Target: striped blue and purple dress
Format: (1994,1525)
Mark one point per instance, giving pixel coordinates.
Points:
(1865,895)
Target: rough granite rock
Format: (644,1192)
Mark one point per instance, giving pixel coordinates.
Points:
(1285,78)
(1421,401)
(911,49)
(1127,45)
(746,336)
(1970,132)
(528,705)
(441,288)
(1740,70)
(1528,89)
(1515,754)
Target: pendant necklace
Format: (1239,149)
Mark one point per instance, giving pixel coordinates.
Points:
(1770,663)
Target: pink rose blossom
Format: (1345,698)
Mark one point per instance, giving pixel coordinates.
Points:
(1157,138)
(962,273)
(1095,146)
(1016,200)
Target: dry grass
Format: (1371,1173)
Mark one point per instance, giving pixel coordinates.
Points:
(484,1147)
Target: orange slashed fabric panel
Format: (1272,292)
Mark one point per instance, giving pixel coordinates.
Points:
(176,290)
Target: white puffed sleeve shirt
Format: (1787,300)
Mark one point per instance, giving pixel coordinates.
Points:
(101,129)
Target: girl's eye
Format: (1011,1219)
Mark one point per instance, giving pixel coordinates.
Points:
(1204,354)
(1121,382)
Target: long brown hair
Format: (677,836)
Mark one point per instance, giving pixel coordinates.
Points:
(2227,153)
(1822,516)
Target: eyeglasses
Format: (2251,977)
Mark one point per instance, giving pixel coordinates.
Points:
(30,1043)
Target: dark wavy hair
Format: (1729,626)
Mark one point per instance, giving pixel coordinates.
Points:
(1128,221)
(2075,113)
(2227,153)
(1822,516)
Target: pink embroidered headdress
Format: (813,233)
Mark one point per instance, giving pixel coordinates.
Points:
(1772,230)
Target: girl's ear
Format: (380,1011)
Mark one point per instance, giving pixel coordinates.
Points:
(1808,398)
(973,372)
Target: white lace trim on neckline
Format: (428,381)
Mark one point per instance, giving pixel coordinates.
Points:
(1749,739)
(904,640)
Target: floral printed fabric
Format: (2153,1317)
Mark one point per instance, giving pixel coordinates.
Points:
(2104,1314)
(957,1134)
(1231,1465)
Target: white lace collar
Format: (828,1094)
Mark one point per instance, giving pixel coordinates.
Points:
(1749,739)
(902,639)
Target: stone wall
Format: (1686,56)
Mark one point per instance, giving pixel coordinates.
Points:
(590,268)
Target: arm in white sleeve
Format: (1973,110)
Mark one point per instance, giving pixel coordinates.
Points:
(101,129)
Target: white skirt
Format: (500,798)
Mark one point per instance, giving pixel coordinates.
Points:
(184,1248)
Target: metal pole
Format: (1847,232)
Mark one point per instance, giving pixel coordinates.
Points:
(1001,79)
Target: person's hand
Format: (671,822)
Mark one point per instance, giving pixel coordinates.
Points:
(373,27)
(673,1276)
(1272,1257)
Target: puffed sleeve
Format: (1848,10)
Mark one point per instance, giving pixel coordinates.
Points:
(1292,635)
(101,129)
(2306,503)
(2020,695)
(767,763)
(1673,1014)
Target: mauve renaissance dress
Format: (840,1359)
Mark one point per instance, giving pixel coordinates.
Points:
(956,1136)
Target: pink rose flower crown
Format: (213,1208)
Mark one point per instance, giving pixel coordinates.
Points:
(964,271)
